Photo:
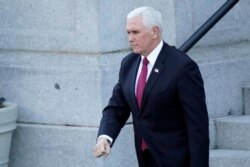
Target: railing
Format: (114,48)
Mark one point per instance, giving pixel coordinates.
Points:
(207,25)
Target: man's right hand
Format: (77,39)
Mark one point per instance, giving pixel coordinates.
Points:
(102,147)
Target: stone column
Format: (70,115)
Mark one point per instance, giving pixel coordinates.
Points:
(59,63)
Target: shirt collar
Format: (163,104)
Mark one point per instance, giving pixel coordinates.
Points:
(154,54)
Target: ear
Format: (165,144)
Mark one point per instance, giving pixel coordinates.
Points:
(155,32)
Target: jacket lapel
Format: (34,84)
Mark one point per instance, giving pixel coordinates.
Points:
(134,69)
(155,73)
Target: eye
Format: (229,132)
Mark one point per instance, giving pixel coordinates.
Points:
(133,32)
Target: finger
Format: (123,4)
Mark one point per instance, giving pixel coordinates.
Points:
(102,148)
(107,149)
(98,153)
(95,151)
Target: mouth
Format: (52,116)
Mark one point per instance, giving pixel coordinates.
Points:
(133,46)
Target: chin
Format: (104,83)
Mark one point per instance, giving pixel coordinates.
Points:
(136,51)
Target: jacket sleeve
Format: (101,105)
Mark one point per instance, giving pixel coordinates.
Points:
(192,95)
(116,113)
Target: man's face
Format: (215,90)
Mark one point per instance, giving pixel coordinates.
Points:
(140,38)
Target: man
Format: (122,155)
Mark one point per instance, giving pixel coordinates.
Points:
(163,89)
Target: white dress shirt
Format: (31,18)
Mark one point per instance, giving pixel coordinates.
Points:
(152,59)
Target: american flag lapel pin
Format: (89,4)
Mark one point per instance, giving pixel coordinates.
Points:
(156,70)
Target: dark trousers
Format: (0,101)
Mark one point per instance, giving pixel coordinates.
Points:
(148,159)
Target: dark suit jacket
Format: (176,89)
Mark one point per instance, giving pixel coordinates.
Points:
(173,117)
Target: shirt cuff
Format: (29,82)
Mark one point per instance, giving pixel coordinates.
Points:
(110,140)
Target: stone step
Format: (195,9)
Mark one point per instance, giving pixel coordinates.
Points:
(233,132)
(229,158)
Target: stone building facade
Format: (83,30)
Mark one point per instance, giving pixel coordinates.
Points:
(59,60)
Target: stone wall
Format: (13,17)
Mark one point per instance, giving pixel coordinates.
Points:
(59,60)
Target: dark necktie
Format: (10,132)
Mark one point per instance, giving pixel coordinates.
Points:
(140,87)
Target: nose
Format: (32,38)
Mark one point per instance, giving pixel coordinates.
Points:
(130,37)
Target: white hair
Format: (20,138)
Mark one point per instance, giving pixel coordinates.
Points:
(150,16)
